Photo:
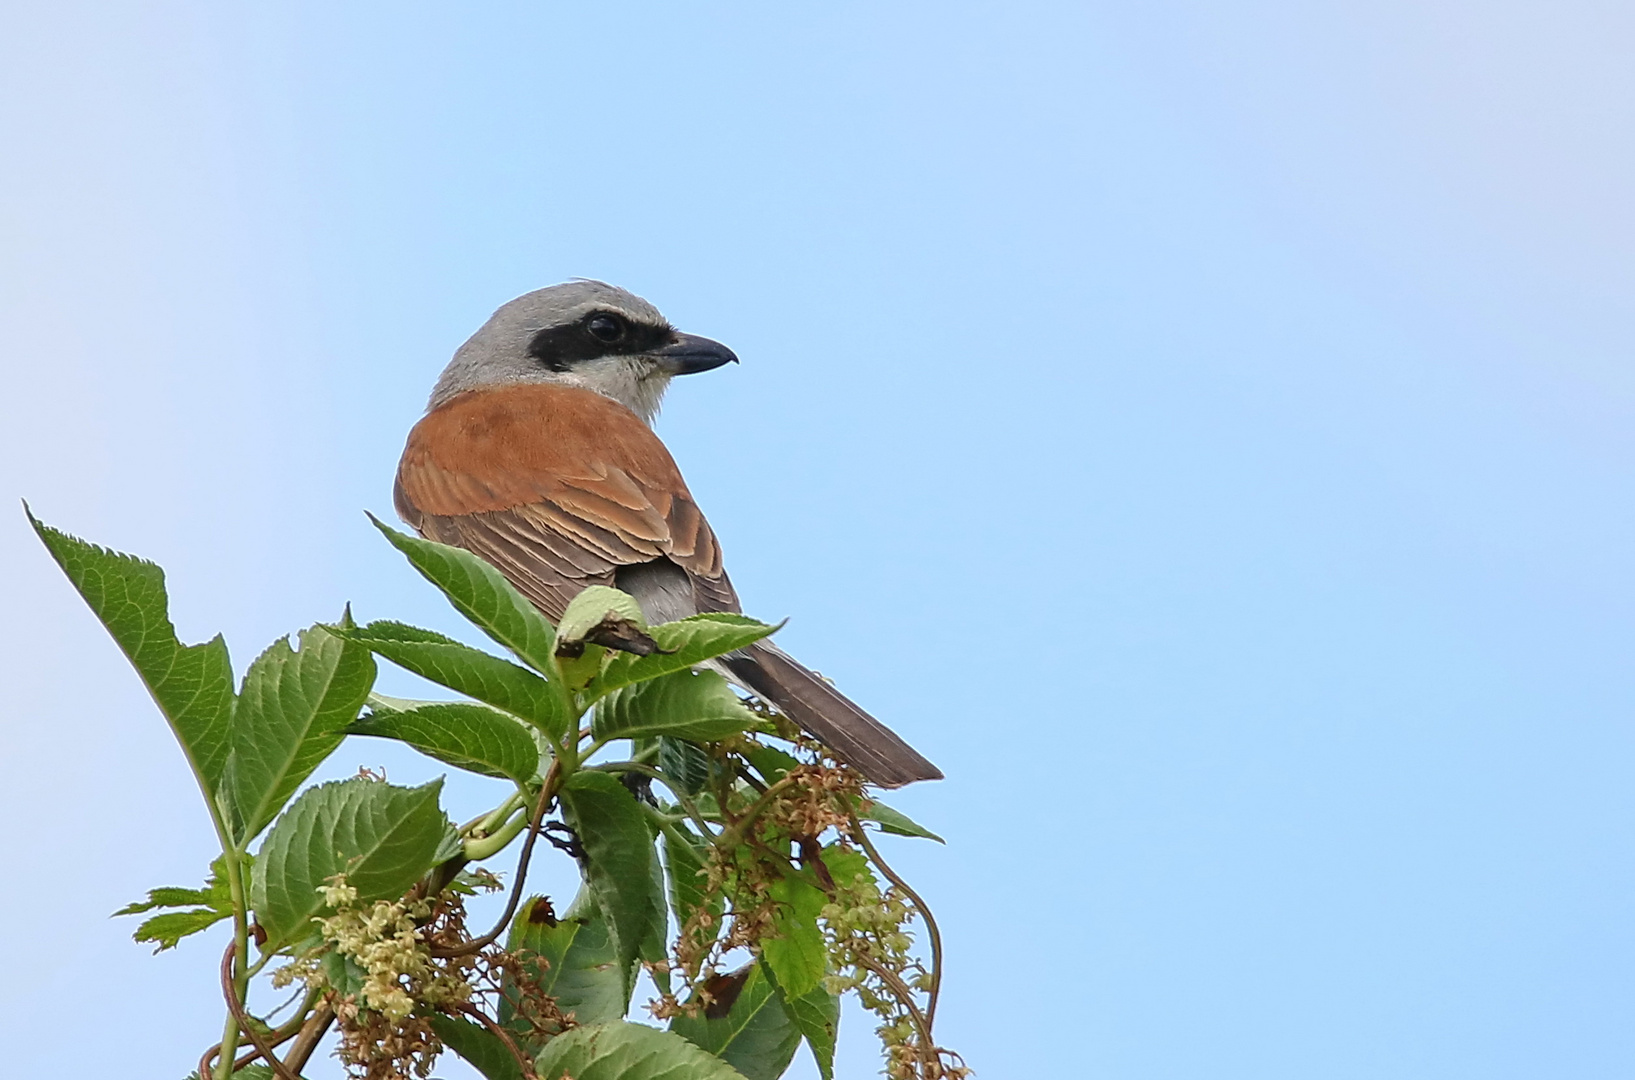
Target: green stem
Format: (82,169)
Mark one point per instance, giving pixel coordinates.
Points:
(682,797)
(476,850)
(241,979)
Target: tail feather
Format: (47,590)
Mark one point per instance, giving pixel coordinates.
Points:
(824,712)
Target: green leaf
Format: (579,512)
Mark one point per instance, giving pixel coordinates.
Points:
(168,897)
(164,931)
(468,671)
(208,906)
(576,962)
(382,837)
(817,1017)
(685,643)
(619,860)
(756,1036)
(795,952)
(684,852)
(685,763)
(471,737)
(292,713)
(769,761)
(481,593)
(191,684)
(591,607)
(478,1046)
(625,1051)
(697,705)
(895,821)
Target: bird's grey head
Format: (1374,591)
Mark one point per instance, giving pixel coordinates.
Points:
(581,333)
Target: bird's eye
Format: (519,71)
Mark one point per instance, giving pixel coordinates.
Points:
(608,328)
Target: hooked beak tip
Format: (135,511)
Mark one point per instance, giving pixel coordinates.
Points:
(690,354)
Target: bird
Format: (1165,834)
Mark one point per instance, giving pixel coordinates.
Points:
(537,454)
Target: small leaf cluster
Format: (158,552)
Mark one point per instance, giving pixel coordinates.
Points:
(720,851)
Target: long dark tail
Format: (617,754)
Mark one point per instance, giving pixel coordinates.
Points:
(824,712)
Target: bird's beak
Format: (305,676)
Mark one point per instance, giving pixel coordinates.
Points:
(689,354)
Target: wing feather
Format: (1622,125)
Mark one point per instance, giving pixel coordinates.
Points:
(558,487)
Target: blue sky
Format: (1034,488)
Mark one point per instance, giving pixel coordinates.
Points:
(1204,429)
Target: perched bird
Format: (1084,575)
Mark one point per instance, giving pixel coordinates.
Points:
(536,454)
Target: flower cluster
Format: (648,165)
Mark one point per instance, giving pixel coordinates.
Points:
(377,968)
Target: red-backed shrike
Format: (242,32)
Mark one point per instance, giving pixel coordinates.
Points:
(535,453)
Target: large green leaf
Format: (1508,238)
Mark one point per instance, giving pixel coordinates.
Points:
(619,861)
(468,671)
(382,837)
(684,644)
(696,705)
(795,952)
(481,593)
(574,959)
(684,852)
(756,1036)
(292,712)
(625,1051)
(481,1048)
(192,684)
(817,1016)
(467,736)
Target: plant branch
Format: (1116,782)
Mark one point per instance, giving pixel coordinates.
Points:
(919,905)
(312,1032)
(236,1006)
(547,791)
(504,1036)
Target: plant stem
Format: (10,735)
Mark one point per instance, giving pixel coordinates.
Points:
(920,906)
(241,946)
(682,797)
(492,845)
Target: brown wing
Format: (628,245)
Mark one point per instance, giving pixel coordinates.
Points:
(558,487)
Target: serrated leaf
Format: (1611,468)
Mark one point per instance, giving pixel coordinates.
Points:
(164,931)
(471,737)
(167,897)
(756,1036)
(697,705)
(816,1015)
(574,959)
(685,763)
(625,1051)
(480,593)
(191,684)
(619,861)
(685,643)
(684,853)
(895,821)
(383,837)
(468,671)
(795,951)
(292,713)
(480,1048)
(216,893)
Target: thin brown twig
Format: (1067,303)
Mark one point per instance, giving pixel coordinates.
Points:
(500,1033)
(236,1007)
(546,792)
